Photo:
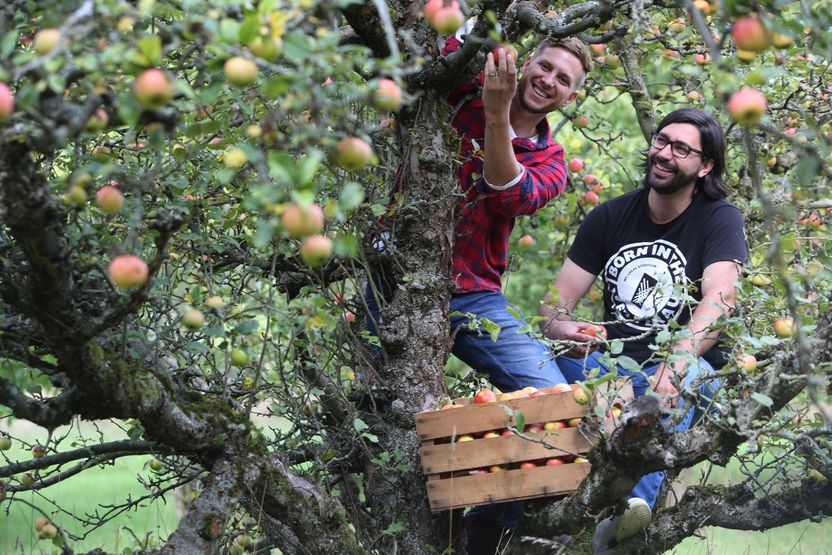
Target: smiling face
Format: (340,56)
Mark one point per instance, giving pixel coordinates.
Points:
(667,174)
(550,80)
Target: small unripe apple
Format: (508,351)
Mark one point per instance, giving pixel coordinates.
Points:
(266,47)
(580,121)
(388,95)
(155,465)
(6,101)
(579,460)
(779,40)
(747,362)
(784,327)
(315,250)
(127,270)
(239,358)
(193,319)
(109,199)
(125,24)
(97,121)
(353,153)
(759,280)
(747,106)
(38,451)
(234,158)
(750,34)
(5,443)
(240,71)
(153,89)
(40,522)
(448,19)
(581,396)
(299,220)
(746,56)
(526,241)
(215,302)
(576,164)
(48,532)
(75,196)
(46,40)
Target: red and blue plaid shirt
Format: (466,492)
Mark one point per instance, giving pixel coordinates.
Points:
(485,215)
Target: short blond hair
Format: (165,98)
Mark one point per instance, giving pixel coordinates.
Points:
(571,44)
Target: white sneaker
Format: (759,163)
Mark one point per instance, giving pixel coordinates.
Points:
(635,518)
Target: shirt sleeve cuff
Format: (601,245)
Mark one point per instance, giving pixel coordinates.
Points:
(508,185)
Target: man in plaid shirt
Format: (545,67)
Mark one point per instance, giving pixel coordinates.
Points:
(511,166)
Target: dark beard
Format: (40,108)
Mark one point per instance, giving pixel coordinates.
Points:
(679,181)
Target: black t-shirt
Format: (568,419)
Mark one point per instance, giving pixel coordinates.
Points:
(646,266)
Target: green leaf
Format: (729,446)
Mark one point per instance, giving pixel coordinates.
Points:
(249,29)
(616,347)
(519,420)
(492,328)
(151,49)
(360,425)
(764,400)
(352,195)
(307,167)
(280,166)
(8,43)
(628,364)
(807,169)
(247,327)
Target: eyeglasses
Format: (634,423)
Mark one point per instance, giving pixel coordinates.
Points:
(679,150)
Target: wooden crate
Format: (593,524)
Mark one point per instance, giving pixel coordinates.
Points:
(455,469)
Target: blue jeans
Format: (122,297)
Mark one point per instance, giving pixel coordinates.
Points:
(575,369)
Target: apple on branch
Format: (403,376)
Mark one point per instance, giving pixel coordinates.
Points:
(6,101)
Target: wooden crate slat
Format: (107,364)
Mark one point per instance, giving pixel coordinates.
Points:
(480,453)
(491,416)
(511,485)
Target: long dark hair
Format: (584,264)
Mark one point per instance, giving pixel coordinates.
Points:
(713,148)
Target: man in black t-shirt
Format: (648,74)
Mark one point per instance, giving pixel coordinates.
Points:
(668,253)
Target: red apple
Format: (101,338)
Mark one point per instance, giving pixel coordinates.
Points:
(509,50)
(490,434)
(527,465)
(38,451)
(484,396)
(127,271)
(349,317)
(576,164)
(240,71)
(590,179)
(432,8)
(555,425)
(448,19)
(572,422)
(561,388)
(299,220)
(46,40)
(598,48)
(589,198)
(533,428)
(702,59)
(353,153)
(388,95)
(747,105)
(495,468)
(316,250)
(526,241)
(153,89)
(784,327)
(109,199)
(750,34)
(555,461)
(40,522)
(594,330)
(6,101)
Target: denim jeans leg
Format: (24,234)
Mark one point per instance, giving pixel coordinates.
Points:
(516,359)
